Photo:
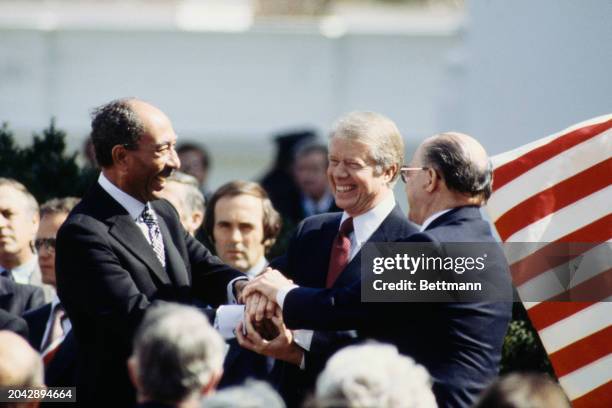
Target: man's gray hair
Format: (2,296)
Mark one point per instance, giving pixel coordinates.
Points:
(252,394)
(29,200)
(193,197)
(177,352)
(376,131)
(373,375)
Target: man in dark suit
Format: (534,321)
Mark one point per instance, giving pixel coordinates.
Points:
(310,173)
(120,251)
(365,154)
(16,298)
(447,181)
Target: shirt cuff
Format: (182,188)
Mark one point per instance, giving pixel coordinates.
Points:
(303,338)
(227,319)
(231,298)
(282,293)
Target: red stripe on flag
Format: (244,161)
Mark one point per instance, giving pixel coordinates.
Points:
(542,260)
(595,289)
(554,198)
(584,351)
(545,314)
(513,169)
(599,397)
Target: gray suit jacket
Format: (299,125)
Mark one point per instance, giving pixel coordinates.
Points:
(16,298)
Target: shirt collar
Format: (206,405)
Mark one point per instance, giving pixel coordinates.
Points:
(432,217)
(55,301)
(258,267)
(365,224)
(133,206)
(23,272)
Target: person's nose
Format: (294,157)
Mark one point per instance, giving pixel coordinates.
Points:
(174,161)
(235,235)
(340,171)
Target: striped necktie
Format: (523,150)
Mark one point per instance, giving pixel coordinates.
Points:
(155,238)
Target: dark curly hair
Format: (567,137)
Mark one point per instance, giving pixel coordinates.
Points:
(112,124)
(459,172)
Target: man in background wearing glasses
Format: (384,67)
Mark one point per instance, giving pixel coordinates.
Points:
(49,325)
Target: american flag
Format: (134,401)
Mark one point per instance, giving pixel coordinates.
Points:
(558,190)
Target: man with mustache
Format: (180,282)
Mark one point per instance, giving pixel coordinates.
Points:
(120,251)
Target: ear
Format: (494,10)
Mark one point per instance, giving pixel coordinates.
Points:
(120,155)
(133,371)
(268,243)
(210,388)
(390,172)
(197,218)
(433,180)
(35,222)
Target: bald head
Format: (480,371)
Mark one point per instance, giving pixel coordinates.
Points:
(20,364)
(461,161)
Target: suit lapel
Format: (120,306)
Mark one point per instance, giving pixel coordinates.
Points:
(125,230)
(175,265)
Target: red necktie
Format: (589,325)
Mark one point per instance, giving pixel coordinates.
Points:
(340,253)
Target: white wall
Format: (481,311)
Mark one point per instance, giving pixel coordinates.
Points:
(222,87)
(535,67)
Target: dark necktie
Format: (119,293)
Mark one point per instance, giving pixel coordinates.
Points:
(340,253)
(7,274)
(155,237)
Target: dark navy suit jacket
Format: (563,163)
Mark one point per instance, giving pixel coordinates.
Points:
(459,343)
(306,263)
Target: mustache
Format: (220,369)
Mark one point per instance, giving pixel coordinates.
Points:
(166,172)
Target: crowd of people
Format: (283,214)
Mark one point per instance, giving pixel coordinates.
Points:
(153,291)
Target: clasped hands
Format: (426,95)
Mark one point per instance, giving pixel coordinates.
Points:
(263,329)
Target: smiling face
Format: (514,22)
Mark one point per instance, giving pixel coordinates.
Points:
(353,176)
(238,230)
(18,225)
(153,159)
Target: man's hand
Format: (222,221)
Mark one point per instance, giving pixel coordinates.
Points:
(268,284)
(281,347)
(257,306)
(239,286)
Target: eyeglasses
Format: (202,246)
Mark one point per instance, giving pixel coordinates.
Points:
(405,169)
(48,243)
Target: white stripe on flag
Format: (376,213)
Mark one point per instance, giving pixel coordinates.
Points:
(587,378)
(586,266)
(550,173)
(567,219)
(503,158)
(579,325)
